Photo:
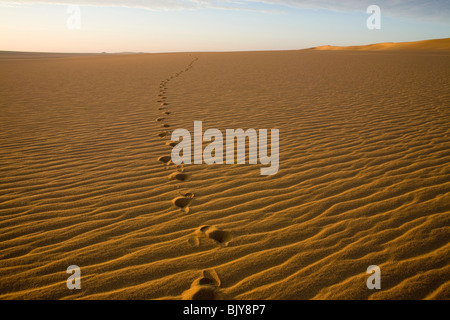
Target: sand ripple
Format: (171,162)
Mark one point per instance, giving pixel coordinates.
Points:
(364,177)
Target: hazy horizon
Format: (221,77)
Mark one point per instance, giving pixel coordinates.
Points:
(168,52)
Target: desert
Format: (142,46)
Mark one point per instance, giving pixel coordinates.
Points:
(87,178)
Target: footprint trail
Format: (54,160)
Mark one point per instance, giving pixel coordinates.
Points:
(207,286)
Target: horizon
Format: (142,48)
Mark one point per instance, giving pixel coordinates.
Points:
(55,26)
(212,51)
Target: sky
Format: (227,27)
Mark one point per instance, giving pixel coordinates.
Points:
(213,25)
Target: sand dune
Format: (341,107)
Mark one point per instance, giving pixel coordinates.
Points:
(364,177)
(425,45)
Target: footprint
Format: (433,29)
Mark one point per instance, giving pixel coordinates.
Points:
(179,176)
(164,104)
(163,134)
(172,143)
(167,113)
(183,202)
(160,119)
(167,160)
(188,194)
(166,125)
(220,236)
(204,288)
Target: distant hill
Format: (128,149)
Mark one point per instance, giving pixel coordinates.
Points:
(425,45)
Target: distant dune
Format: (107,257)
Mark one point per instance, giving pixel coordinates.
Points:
(425,45)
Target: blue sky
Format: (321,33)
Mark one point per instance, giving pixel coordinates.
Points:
(208,25)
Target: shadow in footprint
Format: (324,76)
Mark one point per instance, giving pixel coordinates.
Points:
(163,134)
(180,176)
(183,202)
(172,143)
(220,236)
(204,288)
(160,119)
(166,160)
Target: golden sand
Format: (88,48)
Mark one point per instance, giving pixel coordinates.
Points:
(364,176)
(425,45)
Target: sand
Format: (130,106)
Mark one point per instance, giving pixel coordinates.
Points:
(364,176)
(436,45)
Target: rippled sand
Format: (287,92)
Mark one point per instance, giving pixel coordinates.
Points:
(364,176)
